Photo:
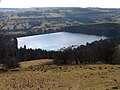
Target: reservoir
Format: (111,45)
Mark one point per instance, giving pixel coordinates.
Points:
(55,41)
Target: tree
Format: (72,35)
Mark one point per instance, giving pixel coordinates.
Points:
(105,51)
(8,49)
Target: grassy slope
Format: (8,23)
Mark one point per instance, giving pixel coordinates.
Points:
(35,76)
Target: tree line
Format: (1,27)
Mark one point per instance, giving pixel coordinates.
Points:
(25,54)
(103,51)
(106,29)
(97,52)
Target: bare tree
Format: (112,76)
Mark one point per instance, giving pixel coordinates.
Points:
(8,48)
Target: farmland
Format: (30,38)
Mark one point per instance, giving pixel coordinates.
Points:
(30,21)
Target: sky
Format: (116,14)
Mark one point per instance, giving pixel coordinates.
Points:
(59,3)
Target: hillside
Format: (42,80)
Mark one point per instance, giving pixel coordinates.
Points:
(52,77)
(106,29)
(29,21)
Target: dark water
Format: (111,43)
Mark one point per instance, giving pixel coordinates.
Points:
(55,41)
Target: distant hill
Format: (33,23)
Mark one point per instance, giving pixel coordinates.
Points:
(8,9)
(29,21)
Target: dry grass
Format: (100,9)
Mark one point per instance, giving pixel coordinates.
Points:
(34,76)
(35,62)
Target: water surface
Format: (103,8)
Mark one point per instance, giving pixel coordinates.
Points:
(55,41)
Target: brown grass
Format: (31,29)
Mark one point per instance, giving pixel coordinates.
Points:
(35,62)
(34,75)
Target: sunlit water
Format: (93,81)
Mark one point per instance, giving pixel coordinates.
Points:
(55,41)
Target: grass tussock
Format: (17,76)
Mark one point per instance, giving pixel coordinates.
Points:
(43,75)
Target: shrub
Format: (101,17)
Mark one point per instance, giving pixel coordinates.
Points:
(11,63)
(100,68)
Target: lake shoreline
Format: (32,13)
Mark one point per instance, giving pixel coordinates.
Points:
(57,40)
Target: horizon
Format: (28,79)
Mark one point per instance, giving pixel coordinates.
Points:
(59,3)
(53,7)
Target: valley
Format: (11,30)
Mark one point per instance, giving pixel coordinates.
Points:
(30,21)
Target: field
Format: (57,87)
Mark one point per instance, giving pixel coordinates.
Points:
(43,75)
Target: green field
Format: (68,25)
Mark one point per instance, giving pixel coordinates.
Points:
(42,75)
